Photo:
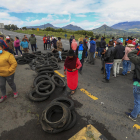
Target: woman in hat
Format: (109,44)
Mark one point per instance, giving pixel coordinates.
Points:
(8,66)
(72,64)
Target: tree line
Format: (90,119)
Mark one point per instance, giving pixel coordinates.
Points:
(11,27)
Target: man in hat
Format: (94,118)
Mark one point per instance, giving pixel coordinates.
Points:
(59,47)
(118,55)
(32,40)
(5,47)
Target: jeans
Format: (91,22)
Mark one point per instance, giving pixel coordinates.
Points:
(82,62)
(33,46)
(136,93)
(49,46)
(60,54)
(100,52)
(129,67)
(18,48)
(45,46)
(10,81)
(108,68)
(116,66)
(91,58)
(125,66)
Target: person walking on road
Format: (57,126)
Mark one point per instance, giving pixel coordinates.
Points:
(24,44)
(135,59)
(125,59)
(80,52)
(74,45)
(118,55)
(10,45)
(59,47)
(45,42)
(109,59)
(32,41)
(92,50)
(71,66)
(17,46)
(54,41)
(70,41)
(8,66)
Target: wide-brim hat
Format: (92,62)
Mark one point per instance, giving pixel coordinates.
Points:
(71,53)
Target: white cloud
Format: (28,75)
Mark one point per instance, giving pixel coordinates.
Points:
(81,15)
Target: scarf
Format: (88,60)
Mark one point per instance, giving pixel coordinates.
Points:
(70,63)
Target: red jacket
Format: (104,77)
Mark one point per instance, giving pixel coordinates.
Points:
(45,39)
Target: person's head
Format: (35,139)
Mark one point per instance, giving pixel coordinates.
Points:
(91,38)
(16,38)
(111,42)
(44,35)
(80,42)
(1,37)
(24,39)
(86,37)
(71,54)
(119,41)
(25,36)
(59,38)
(1,48)
(113,38)
(103,38)
(32,35)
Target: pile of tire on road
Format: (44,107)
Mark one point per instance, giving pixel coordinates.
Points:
(58,116)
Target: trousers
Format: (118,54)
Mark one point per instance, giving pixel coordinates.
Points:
(116,66)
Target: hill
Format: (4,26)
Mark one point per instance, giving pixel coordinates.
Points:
(129,26)
(72,27)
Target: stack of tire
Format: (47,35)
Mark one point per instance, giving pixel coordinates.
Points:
(44,86)
(58,116)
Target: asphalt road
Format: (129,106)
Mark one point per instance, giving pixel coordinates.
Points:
(19,117)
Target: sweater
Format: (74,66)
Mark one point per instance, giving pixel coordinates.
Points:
(8,64)
(127,50)
(24,44)
(74,45)
(59,45)
(17,43)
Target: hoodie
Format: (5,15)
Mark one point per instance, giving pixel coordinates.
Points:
(92,46)
(74,45)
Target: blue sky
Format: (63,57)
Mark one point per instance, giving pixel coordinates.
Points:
(88,14)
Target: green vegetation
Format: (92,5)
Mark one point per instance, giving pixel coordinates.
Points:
(11,27)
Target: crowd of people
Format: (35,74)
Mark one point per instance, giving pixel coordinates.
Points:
(112,54)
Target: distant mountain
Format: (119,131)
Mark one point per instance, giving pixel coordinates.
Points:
(72,27)
(129,26)
(42,26)
(109,30)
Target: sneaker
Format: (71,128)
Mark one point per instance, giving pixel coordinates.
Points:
(105,81)
(132,110)
(3,98)
(15,95)
(130,116)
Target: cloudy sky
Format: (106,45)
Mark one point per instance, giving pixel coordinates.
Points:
(88,14)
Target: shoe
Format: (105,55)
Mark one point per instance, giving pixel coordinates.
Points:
(15,95)
(105,81)
(3,99)
(130,116)
(114,76)
(132,110)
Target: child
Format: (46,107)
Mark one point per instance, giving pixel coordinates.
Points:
(24,44)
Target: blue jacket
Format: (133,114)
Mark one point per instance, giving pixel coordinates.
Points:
(5,47)
(92,46)
(24,44)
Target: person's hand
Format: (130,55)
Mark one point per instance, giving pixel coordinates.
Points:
(74,70)
(64,72)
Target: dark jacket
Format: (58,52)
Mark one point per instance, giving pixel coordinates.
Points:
(103,44)
(119,52)
(54,41)
(84,52)
(92,46)
(32,40)
(136,60)
(98,43)
(109,55)
(85,43)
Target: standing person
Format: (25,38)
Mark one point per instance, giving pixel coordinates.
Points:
(80,52)
(74,45)
(92,50)
(5,46)
(70,41)
(54,43)
(98,45)
(8,66)
(85,42)
(10,45)
(59,47)
(24,44)
(72,64)
(118,55)
(88,52)
(135,59)
(45,42)
(103,45)
(48,43)
(17,46)
(125,59)
(25,37)
(32,41)
(109,59)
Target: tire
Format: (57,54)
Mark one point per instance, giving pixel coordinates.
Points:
(44,69)
(73,121)
(44,88)
(50,74)
(61,79)
(40,78)
(45,93)
(66,101)
(52,58)
(35,99)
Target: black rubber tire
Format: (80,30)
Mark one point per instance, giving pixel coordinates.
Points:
(32,98)
(66,101)
(38,79)
(44,69)
(73,120)
(44,88)
(46,93)
(52,58)
(46,73)
(58,85)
